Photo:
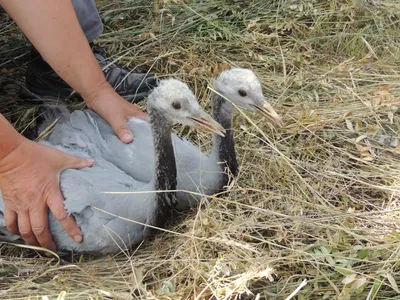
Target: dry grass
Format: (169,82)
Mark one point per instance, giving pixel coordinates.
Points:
(315,210)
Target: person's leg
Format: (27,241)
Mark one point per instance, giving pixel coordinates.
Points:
(89,18)
(43,81)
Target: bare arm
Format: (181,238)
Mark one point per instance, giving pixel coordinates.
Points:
(53,28)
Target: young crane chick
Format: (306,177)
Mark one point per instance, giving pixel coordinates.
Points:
(110,222)
(198,172)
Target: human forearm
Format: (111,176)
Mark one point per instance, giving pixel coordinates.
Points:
(10,139)
(54,30)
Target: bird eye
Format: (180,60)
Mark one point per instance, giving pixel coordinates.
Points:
(176,105)
(242,93)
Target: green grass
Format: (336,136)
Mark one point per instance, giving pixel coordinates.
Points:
(316,200)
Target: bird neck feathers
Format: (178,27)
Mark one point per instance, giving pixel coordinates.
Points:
(224,146)
(165,166)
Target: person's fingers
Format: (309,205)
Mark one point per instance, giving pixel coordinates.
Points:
(75,162)
(56,205)
(11,220)
(25,229)
(40,227)
(122,130)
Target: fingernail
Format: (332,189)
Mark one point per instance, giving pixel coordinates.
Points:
(90,161)
(127,138)
(78,238)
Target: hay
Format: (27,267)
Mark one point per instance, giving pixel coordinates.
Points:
(314,212)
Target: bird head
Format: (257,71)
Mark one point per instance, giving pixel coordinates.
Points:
(243,88)
(178,104)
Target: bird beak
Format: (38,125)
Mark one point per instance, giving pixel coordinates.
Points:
(207,122)
(269,113)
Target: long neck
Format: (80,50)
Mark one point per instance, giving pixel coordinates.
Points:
(164,166)
(224,147)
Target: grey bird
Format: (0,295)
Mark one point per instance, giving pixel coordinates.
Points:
(197,172)
(111,222)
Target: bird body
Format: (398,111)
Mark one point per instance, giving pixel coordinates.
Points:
(109,221)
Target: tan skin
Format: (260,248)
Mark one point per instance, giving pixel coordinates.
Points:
(29,172)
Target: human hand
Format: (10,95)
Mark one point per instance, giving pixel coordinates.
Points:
(29,181)
(114,109)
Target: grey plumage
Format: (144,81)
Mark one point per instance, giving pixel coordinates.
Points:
(102,216)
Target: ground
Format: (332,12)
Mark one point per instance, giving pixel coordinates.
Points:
(314,212)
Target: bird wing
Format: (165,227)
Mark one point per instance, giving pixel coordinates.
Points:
(101,215)
(109,222)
